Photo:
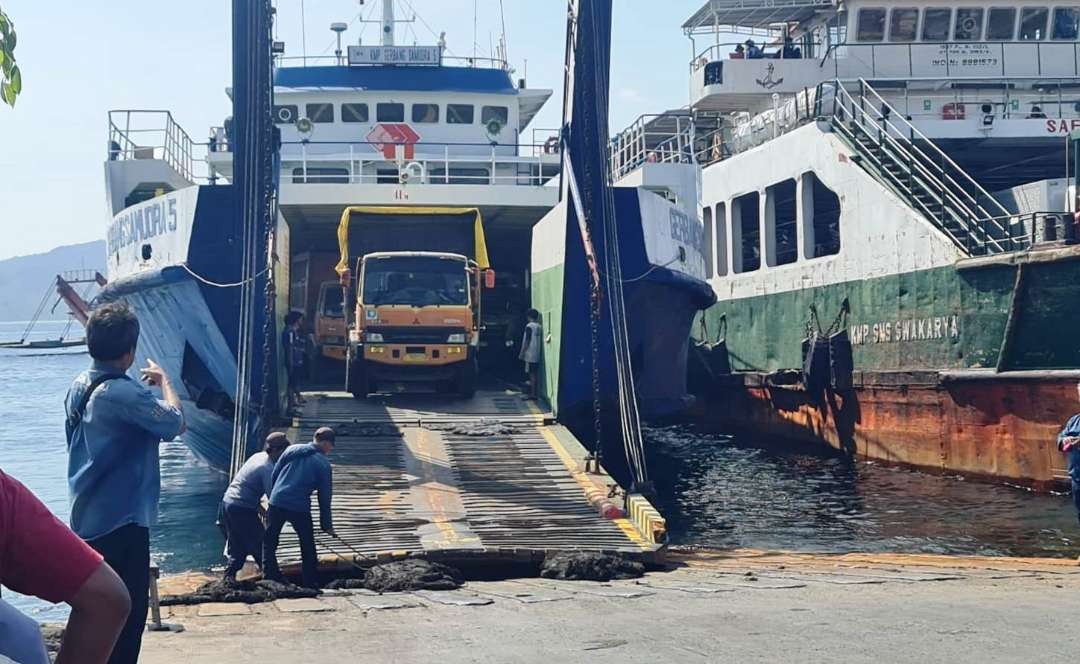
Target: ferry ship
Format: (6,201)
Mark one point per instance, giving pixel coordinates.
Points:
(390,126)
(887,201)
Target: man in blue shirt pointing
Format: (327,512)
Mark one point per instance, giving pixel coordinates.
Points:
(114,426)
(301,470)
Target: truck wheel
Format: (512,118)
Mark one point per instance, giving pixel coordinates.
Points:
(356,379)
(466,386)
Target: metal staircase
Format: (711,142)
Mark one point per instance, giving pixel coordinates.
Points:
(890,148)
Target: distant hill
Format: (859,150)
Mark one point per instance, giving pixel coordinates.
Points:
(23,279)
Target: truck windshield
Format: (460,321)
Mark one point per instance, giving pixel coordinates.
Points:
(333,306)
(417,281)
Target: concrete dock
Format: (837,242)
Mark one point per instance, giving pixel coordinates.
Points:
(742,606)
(488,479)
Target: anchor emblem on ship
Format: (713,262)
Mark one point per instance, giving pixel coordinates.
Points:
(768,83)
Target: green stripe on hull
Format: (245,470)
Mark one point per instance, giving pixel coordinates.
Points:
(547,298)
(934,319)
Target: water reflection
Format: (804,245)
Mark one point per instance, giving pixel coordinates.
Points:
(720,491)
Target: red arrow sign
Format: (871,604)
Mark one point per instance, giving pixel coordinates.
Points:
(386,136)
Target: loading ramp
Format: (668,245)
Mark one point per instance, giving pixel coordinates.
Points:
(492,478)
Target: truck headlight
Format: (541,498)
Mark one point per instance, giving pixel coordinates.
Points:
(456,338)
(373,337)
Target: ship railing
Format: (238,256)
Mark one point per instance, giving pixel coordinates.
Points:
(1023,230)
(913,164)
(342,61)
(910,60)
(332,162)
(665,138)
(147,134)
(1052,102)
(748,131)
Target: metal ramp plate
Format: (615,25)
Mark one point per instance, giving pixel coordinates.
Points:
(491,476)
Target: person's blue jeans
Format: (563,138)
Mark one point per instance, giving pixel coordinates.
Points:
(127,551)
(1074,477)
(305,532)
(245,533)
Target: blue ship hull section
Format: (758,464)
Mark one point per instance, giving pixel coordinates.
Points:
(190,327)
(661,305)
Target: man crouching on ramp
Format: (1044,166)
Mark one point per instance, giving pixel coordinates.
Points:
(301,470)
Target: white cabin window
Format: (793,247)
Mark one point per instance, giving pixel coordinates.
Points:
(285,113)
(500,114)
(1001,24)
(321,113)
(1066,23)
(1033,23)
(425,113)
(969,24)
(390,112)
(935,26)
(871,25)
(903,25)
(459,113)
(354,113)
(821,218)
(707,221)
(721,239)
(780,232)
(746,232)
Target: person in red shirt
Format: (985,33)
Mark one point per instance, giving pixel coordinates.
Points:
(41,556)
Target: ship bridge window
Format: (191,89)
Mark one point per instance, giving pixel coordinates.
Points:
(721,240)
(354,113)
(321,113)
(459,113)
(903,25)
(1033,23)
(500,114)
(285,114)
(935,25)
(425,113)
(390,112)
(1001,24)
(706,218)
(1066,23)
(821,218)
(459,176)
(871,25)
(746,232)
(781,243)
(969,24)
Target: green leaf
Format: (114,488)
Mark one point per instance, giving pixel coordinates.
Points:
(11,40)
(6,96)
(2,57)
(16,80)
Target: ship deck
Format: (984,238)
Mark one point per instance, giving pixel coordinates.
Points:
(488,479)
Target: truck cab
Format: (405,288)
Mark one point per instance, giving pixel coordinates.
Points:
(330,325)
(417,322)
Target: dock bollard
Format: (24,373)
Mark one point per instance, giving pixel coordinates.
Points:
(155,624)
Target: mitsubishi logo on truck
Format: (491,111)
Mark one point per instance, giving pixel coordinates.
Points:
(386,136)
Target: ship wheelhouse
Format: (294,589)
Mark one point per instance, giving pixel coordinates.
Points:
(974,77)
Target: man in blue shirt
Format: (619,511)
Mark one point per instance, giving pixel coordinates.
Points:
(301,470)
(114,426)
(1069,442)
(240,505)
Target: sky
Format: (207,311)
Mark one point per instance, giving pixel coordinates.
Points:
(82,58)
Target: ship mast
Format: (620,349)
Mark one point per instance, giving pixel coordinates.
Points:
(388,23)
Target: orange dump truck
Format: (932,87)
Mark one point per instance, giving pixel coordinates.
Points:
(416,315)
